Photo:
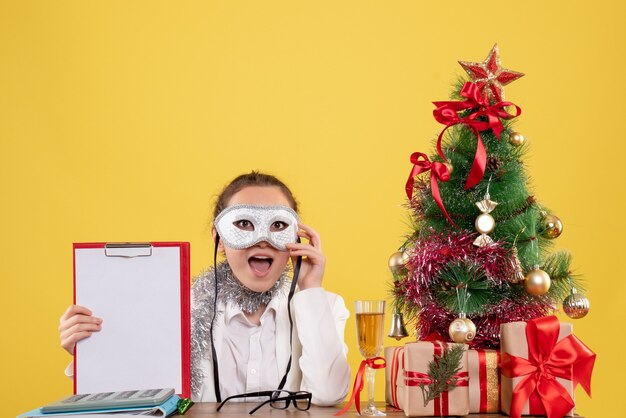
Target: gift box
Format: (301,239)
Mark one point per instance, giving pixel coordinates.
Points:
(541,364)
(417,357)
(483,367)
(394,358)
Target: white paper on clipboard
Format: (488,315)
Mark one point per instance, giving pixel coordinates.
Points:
(142,296)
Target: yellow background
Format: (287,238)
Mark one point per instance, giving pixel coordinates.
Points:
(120,120)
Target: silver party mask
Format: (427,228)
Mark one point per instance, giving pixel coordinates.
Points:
(242,226)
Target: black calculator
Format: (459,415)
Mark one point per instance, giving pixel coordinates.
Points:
(110,400)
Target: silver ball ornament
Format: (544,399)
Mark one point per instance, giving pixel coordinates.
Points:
(576,305)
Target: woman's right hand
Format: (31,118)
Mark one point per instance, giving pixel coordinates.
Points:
(77,323)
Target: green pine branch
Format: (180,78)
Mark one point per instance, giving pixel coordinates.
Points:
(558,267)
(463,288)
(441,372)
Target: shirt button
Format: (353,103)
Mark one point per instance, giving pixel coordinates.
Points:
(253,371)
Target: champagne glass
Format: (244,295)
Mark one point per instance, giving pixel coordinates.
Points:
(370,320)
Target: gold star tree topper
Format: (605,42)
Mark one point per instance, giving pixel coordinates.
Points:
(490,76)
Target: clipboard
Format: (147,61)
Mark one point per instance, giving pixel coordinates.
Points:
(141,292)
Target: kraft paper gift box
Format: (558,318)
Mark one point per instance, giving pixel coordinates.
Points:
(541,363)
(394,357)
(484,381)
(417,356)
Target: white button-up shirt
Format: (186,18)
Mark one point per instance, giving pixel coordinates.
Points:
(248,356)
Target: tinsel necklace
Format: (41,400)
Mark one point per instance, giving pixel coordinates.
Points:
(220,283)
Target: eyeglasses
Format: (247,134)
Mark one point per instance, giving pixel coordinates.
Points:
(278,399)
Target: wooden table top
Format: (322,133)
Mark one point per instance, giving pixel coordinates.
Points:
(241,409)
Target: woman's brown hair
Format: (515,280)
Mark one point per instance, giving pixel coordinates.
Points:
(254,178)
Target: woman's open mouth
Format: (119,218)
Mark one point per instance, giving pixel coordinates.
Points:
(260,264)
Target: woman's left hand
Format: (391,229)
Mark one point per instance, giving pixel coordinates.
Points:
(313,261)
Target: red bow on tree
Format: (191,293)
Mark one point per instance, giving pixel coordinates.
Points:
(568,359)
(447,114)
(438,172)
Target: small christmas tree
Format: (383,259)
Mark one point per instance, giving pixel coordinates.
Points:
(479,252)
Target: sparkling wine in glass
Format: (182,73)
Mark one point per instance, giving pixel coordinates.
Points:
(370,321)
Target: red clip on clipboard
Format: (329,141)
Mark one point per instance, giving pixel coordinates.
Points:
(141,292)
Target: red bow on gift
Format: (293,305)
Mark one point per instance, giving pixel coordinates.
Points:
(568,359)
(446,113)
(374,363)
(438,172)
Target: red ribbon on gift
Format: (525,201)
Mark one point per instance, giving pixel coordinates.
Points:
(441,402)
(419,378)
(374,363)
(568,359)
(395,366)
(447,114)
(438,172)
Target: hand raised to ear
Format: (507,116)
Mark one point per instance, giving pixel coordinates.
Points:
(313,260)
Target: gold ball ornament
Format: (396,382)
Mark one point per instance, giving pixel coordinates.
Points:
(484,223)
(576,305)
(517,139)
(462,330)
(551,227)
(537,282)
(449,166)
(396,261)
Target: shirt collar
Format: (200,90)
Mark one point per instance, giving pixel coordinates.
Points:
(232,310)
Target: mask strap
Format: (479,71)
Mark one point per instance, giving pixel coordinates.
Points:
(216,374)
(294,282)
